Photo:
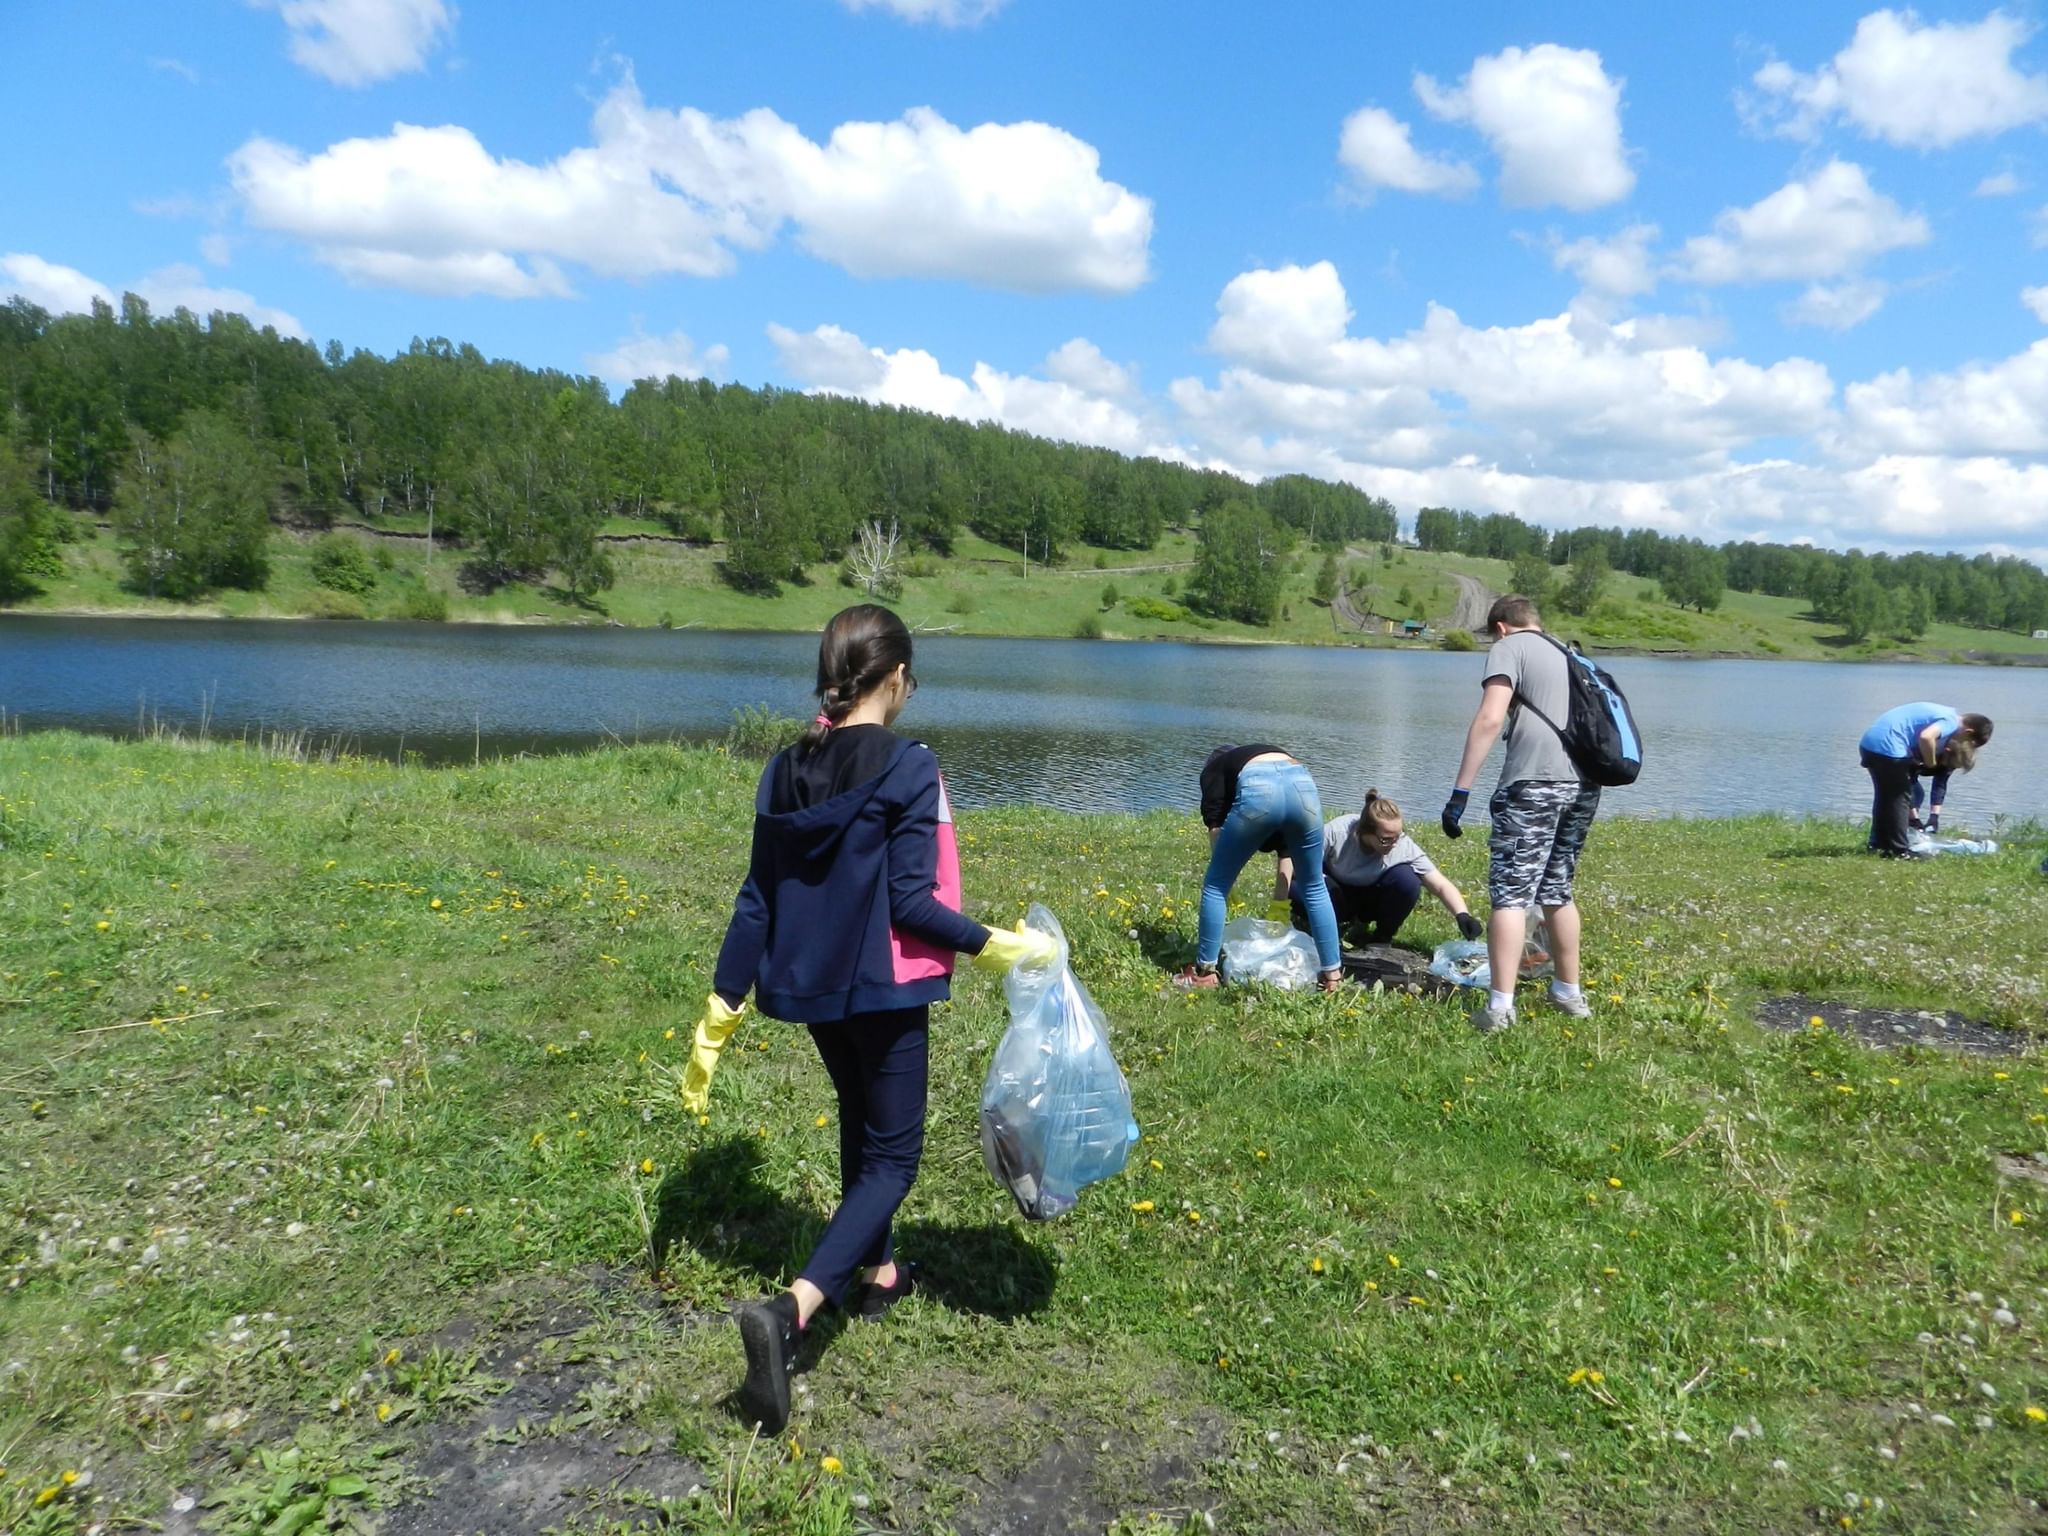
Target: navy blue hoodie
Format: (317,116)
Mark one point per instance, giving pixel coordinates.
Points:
(836,865)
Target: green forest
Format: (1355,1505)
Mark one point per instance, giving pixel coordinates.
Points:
(198,440)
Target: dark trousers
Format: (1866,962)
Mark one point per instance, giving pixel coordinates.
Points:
(878,1063)
(1379,908)
(1891,803)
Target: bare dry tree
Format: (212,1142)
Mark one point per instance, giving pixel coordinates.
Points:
(875,559)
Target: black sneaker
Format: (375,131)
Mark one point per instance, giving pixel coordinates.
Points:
(870,1302)
(768,1330)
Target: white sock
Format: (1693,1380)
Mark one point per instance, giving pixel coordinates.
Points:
(1500,1002)
(1564,989)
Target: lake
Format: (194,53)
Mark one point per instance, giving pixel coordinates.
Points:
(1081,725)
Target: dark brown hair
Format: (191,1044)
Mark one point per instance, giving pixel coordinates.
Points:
(1514,610)
(861,646)
(1979,727)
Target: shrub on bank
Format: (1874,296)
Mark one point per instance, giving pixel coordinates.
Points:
(341,564)
(1458,640)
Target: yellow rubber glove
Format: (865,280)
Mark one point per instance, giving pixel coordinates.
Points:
(714,1025)
(1009,947)
(1279,910)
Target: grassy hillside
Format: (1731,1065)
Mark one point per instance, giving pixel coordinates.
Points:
(342,1168)
(983,589)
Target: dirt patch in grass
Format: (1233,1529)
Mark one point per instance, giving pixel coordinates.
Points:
(1886,1028)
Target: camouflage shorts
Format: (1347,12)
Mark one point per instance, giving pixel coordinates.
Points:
(1538,830)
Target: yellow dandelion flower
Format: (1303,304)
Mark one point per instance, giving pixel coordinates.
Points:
(1893,1081)
(1614,1183)
(668,1034)
(391,1357)
(796,1451)
(2017,1218)
(383,1412)
(1143,1207)
(1393,1261)
(647,1165)
(1223,1362)
(69,1478)
(1999,1077)
(1155,1165)
(824,1120)
(1315,1266)
(1816,1022)
(435,904)
(1195,1218)
(2036,1414)
(102,925)
(47,1496)
(831,1466)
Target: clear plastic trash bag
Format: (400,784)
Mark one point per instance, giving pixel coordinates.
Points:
(1463,962)
(1279,954)
(1055,1109)
(1922,843)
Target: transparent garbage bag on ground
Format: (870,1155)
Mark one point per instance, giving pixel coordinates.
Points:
(1923,843)
(1278,954)
(1055,1108)
(1463,962)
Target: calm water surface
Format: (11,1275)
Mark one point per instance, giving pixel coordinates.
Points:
(1082,725)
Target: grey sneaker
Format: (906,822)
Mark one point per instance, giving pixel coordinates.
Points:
(1489,1020)
(1577,1007)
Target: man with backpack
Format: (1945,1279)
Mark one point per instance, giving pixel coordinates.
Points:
(1546,798)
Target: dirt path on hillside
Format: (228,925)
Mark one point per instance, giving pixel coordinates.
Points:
(1474,598)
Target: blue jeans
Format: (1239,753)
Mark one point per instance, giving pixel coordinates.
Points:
(1273,799)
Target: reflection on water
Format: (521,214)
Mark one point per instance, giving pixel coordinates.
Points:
(1082,725)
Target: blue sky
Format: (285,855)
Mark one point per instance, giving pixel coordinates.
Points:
(1744,270)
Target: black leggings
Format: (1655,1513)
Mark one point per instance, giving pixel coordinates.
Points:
(1891,803)
(878,1063)
(1380,908)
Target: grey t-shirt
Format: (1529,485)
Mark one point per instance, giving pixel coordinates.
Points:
(1536,669)
(1345,862)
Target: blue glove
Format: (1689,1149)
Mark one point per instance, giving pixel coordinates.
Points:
(1454,812)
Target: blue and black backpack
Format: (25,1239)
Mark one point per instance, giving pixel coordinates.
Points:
(1599,732)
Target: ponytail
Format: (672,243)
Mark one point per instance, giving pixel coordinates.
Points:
(860,647)
(1378,808)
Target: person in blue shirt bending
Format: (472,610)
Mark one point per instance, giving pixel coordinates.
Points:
(1903,743)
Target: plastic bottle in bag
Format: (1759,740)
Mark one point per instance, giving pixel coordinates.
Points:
(1055,1108)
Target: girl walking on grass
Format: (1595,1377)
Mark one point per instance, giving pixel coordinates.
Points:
(848,922)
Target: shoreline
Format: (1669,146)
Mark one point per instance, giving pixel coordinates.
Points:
(1360,643)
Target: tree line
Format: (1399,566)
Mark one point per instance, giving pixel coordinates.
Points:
(195,437)
(1869,596)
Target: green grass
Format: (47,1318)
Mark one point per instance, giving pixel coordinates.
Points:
(383,1056)
(984,589)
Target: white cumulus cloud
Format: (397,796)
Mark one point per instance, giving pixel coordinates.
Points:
(1998,184)
(836,361)
(1572,392)
(1375,147)
(947,13)
(2036,299)
(1982,409)
(1837,306)
(640,356)
(60,290)
(359,42)
(1919,85)
(1619,267)
(1552,114)
(1009,205)
(1823,226)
